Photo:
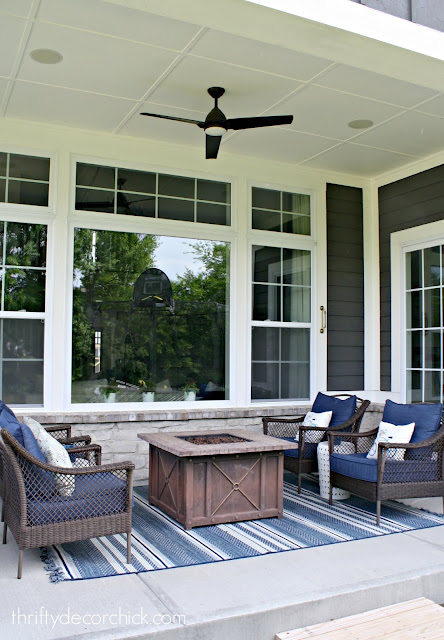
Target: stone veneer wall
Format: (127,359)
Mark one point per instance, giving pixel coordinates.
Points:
(117,432)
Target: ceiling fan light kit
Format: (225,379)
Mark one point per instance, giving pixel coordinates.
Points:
(216,124)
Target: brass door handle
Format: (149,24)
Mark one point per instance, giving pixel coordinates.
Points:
(323,318)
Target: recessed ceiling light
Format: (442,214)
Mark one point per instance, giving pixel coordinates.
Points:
(46,56)
(361,124)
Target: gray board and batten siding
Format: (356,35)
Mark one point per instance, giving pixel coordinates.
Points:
(407,203)
(345,289)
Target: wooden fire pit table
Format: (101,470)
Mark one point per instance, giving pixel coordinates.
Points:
(213,477)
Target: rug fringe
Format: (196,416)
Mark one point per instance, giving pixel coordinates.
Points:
(55,573)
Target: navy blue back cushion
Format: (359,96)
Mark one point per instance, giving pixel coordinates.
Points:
(342,409)
(427,417)
(9,421)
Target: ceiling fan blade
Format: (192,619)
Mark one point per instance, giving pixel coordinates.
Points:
(261,121)
(157,115)
(212,145)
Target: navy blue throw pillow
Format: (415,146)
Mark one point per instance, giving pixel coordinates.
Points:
(342,409)
(427,417)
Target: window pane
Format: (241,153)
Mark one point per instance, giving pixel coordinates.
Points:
(296,224)
(25,244)
(265,345)
(136,204)
(149,308)
(295,381)
(414,349)
(30,167)
(413,270)
(24,290)
(265,381)
(296,267)
(2,190)
(432,386)
(32,193)
(432,312)
(91,175)
(94,200)
(267,264)
(296,345)
(266,220)
(266,199)
(212,213)
(22,339)
(141,181)
(414,309)
(176,186)
(297,304)
(266,302)
(414,386)
(3,164)
(22,382)
(432,267)
(176,209)
(213,191)
(296,203)
(433,349)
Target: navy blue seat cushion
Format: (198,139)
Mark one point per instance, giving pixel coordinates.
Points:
(309,450)
(358,466)
(427,419)
(94,496)
(342,409)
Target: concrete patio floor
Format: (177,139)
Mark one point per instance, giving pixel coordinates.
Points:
(251,598)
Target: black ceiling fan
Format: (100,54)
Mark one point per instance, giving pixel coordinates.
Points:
(216,123)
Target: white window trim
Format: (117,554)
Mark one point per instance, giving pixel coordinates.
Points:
(427,235)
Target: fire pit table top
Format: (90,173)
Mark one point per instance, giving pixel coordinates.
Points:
(178,443)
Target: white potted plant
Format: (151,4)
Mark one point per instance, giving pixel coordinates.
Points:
(147,389)
(190,390)
(109,392)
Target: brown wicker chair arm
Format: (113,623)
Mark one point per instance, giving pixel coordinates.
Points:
(361,440)
(60,431)
(282,427)
(76,440)
(91,454)
(355,419)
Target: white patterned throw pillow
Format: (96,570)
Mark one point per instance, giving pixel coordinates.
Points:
(313,419)
(55,454)
(387,432)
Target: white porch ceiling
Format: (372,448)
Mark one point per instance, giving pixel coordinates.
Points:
(119,61)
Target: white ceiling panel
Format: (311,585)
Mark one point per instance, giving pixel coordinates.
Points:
(3,87)
(11,32)
(277,144)
(168,130)
(217,45)
(352,158)
(248,92)
(325,112)
(414,133)
(374,85)
(94,62)
(434,106)
(66,107)
(16,7)
(103,17)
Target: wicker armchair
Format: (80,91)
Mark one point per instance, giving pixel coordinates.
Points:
(413,470)
(47,505)
(304,459)
(62,433)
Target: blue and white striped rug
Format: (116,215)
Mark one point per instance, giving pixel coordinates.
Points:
(159,542)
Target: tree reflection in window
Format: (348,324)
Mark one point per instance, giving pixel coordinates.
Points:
(172,340)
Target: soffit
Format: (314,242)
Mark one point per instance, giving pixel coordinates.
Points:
(119,60)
